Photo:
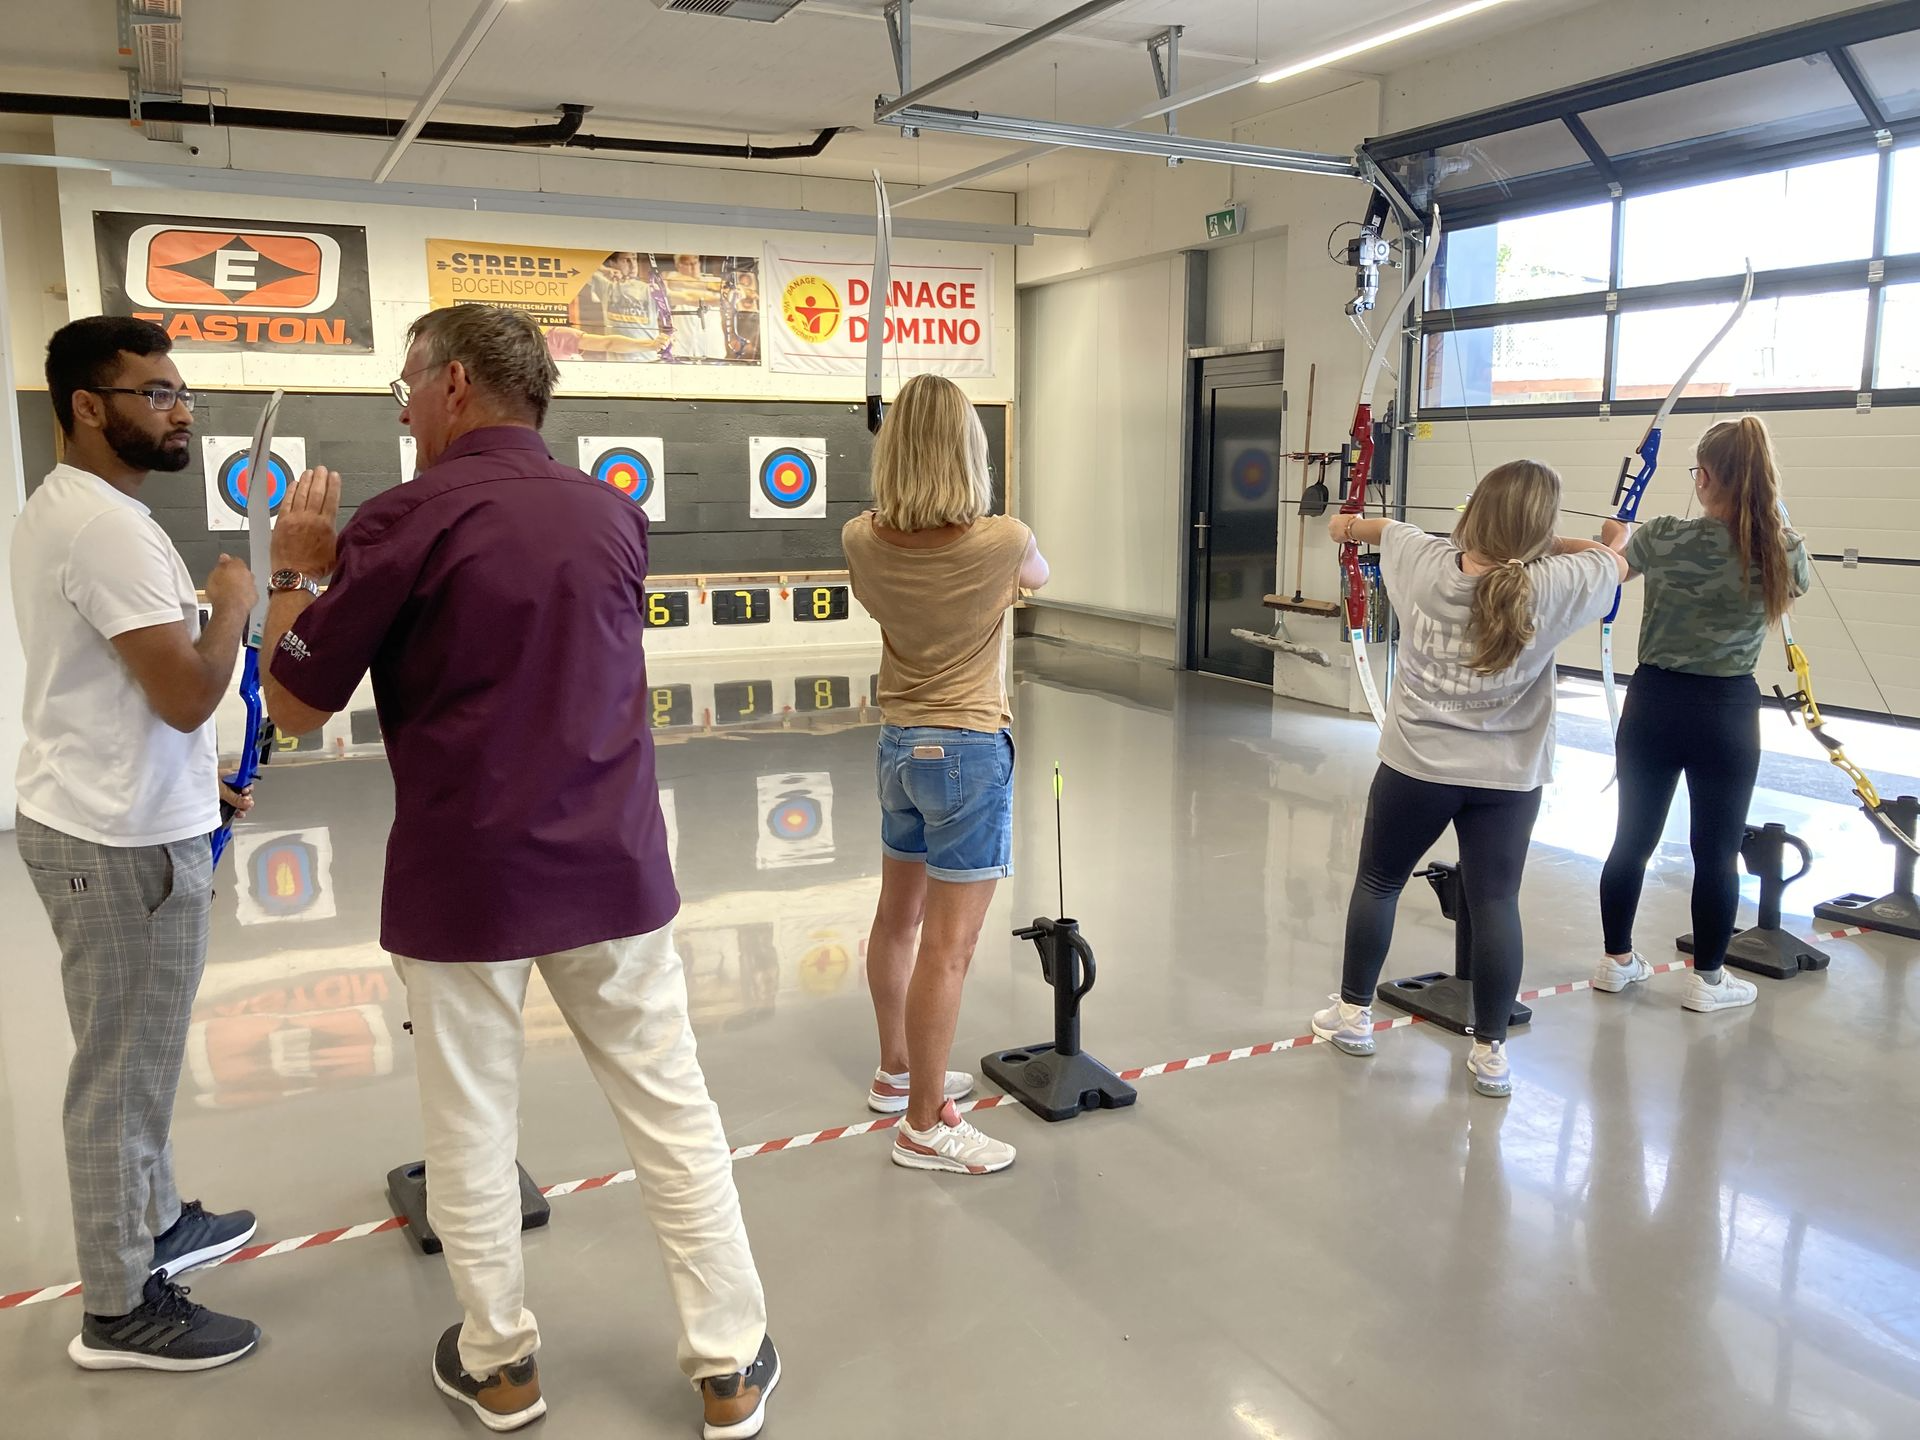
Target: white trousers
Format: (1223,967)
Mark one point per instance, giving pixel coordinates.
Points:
(626,1003)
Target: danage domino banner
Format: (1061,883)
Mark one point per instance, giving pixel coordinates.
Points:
(939,317)
(625,305)
(218,284)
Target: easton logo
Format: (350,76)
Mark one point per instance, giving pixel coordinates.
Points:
(292,272)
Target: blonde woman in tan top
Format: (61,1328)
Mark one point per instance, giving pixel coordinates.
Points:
(939,573)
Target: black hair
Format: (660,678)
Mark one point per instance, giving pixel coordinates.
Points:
(85,354)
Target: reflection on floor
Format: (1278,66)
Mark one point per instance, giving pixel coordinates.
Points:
(1680,1226)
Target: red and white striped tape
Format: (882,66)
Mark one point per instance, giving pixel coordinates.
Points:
(821,1137)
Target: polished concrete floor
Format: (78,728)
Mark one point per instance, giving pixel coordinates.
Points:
(1680,1225)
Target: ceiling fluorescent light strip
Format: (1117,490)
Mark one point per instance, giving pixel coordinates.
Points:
(1374,42)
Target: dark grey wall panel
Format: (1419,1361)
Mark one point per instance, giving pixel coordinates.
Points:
(707,529)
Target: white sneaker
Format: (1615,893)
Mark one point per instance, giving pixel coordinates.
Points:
(1614,978)
(1492,1074)
(1729,994)
(888,1096)
(1346,1027)
(952,1145)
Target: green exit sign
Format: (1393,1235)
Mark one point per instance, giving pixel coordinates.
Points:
(1224,224)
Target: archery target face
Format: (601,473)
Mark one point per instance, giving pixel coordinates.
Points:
(789,478)
(796,821)
(284,875)
(229,476)
(636,466)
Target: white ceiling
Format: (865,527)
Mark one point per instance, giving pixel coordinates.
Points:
(647,71)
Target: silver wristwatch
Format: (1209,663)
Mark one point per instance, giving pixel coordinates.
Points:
(284,580)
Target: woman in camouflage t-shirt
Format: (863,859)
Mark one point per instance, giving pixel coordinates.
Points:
(1714,586)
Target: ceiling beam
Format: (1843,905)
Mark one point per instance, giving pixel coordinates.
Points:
(884,108)
(484,14)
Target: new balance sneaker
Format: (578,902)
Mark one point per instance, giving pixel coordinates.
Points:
(950,1144)
(505,1399)
(1346,1027)
(888,1095)
(166,1332)
(1492,1075)
(737,1404)
(1613,978)
(1730,994)
(200,1237)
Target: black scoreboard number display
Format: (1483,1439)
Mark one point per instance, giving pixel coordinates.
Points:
(666,609)
(742,607)
(823,692)
(820,602)
(741,702)
(670,706)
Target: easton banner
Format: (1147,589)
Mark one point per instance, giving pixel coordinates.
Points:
(623,305)
(939,317)
(216,284)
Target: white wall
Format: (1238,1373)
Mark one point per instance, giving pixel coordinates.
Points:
(13,495)
(1099,422)
(1247,292)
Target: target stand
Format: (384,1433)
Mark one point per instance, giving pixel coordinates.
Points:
(407,1189)
(1057,1081)
(1767,949)
(1441,999)
(1898,911)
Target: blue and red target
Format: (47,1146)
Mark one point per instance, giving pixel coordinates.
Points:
(794,817)
(283,875)
(789,477)
(1252,475)
(626,470)
(235,481)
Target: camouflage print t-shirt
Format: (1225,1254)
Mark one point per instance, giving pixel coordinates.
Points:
(1698,617)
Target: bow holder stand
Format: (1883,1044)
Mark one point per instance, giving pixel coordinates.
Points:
(1767,949)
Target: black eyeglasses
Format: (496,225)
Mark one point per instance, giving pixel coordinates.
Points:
(402,391)
(160,397)
(1693,471)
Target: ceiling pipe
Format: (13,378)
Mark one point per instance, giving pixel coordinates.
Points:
(563,133)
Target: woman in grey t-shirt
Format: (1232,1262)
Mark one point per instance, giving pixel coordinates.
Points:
(1468,738)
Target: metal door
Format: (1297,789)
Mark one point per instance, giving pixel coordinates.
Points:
(1234,528)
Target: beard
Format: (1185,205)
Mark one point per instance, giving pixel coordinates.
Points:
(141,451)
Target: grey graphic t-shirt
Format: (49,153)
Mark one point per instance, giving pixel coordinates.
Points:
(1698,617)
(1447,724)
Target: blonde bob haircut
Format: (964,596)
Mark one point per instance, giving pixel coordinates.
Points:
(930,465)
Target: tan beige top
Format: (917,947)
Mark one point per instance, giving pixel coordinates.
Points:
(942,615)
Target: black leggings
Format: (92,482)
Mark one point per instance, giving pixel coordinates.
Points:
(1706,727)
(1404,817)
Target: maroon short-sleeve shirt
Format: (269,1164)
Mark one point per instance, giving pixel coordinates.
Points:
(499,600)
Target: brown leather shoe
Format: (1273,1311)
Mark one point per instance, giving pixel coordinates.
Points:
(504,1400)
(737,1404)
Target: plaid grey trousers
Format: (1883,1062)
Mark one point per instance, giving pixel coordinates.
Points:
(132,926)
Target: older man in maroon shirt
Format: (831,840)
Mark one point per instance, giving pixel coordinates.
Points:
(499,600)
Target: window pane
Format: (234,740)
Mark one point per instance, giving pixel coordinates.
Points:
(1899,339)
(1903,214)
(1892,68)
(1730,113)
(1511,155)
(1791,342)
(1808,215)
(1537,363)
(1565,253)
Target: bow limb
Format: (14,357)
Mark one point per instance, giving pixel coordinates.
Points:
(1360,469)
(877,301)
(260,562)
(1633,483)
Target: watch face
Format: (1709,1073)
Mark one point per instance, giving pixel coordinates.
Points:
(286,580)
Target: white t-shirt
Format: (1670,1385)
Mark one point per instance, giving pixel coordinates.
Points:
(1444,722)
(89,563)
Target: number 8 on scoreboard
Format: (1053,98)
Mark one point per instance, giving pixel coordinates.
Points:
(820,602)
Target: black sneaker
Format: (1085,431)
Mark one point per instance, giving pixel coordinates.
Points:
(737,1404)
(199,1238)
(504,1400)
(167,1332)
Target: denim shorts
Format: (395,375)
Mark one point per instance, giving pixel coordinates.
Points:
(952,812)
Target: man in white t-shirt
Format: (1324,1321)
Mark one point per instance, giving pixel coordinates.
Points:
(119,793)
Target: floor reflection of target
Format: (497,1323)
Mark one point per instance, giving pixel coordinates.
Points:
(796,821)
(1250,477)
(635,466)
(229,467)
(789,478)
(285,875)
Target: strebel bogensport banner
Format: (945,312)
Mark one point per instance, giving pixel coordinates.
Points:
(629,306)
(939,318)
(220,284)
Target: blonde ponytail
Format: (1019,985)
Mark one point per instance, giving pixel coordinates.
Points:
(1738,456)
(1509,522)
